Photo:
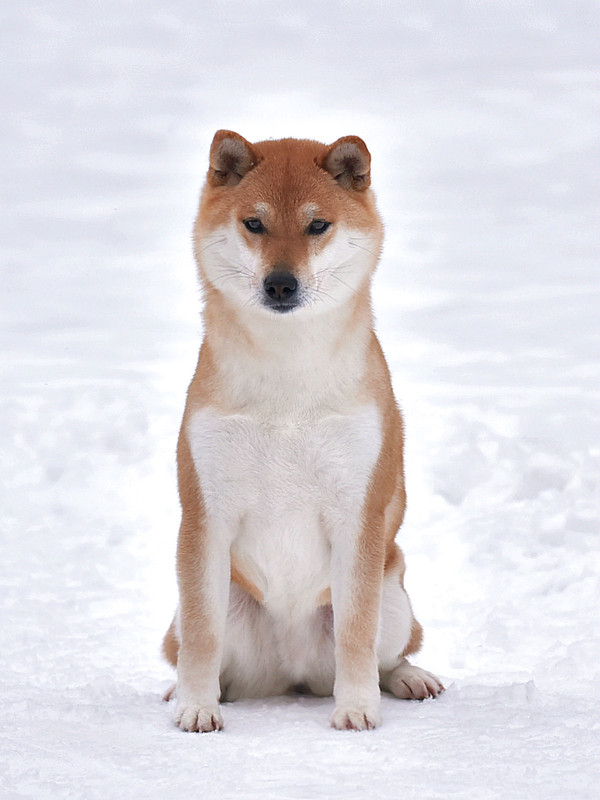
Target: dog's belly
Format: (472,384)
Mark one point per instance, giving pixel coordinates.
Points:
(278,493)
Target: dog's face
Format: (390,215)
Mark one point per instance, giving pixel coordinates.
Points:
(287,226)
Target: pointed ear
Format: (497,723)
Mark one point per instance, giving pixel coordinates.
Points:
(349,162)
(231,157)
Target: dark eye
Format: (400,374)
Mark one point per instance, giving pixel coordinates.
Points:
(317,226)
(254,225)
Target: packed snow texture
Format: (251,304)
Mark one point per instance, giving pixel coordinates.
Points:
(483,120)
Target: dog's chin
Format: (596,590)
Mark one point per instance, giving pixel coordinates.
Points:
(304,308)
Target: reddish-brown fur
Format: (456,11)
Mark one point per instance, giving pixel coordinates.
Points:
(282,175)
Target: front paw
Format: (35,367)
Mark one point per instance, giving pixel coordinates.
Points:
(190,716)
(355,718)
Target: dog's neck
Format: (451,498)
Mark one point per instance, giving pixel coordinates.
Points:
(288,366)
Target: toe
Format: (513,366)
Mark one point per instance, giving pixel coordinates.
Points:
(355,719)
(412,683)
(195,718)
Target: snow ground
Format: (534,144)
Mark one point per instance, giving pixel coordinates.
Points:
(483,121)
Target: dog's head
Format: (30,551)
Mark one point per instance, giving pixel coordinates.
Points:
(287,226)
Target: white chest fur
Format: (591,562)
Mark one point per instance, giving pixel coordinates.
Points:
(277,493)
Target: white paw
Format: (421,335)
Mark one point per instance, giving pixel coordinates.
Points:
(194,717)
(413,683)
(357,718)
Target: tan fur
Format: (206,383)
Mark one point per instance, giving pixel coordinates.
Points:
(416,639)
(196,623)
(243,581)
(282,183)
(170,646)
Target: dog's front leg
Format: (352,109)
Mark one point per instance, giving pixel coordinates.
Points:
(357,577)
(203,566)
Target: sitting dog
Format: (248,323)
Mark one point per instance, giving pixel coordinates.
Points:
(290,456)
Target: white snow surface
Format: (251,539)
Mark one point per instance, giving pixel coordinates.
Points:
(483,120)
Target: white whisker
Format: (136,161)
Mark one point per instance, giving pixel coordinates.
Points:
(219,240)
(353,243)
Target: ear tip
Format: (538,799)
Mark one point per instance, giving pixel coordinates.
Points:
(354,140)
(350,141)
(349,147)
(225,141)
(223,133)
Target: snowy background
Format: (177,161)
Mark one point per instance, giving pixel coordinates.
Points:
(483,120)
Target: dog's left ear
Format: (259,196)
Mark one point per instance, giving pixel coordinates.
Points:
(349,162)
(231,157)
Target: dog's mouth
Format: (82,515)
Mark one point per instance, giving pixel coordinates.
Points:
(282,308)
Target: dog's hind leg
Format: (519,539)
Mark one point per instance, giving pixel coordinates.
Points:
(400,635)
(411,683)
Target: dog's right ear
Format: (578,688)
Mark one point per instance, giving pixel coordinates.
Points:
(231,157)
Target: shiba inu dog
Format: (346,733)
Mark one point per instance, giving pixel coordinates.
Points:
(290,456)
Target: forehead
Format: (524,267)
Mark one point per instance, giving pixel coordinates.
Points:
(288,177)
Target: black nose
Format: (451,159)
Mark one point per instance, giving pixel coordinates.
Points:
(281,288)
